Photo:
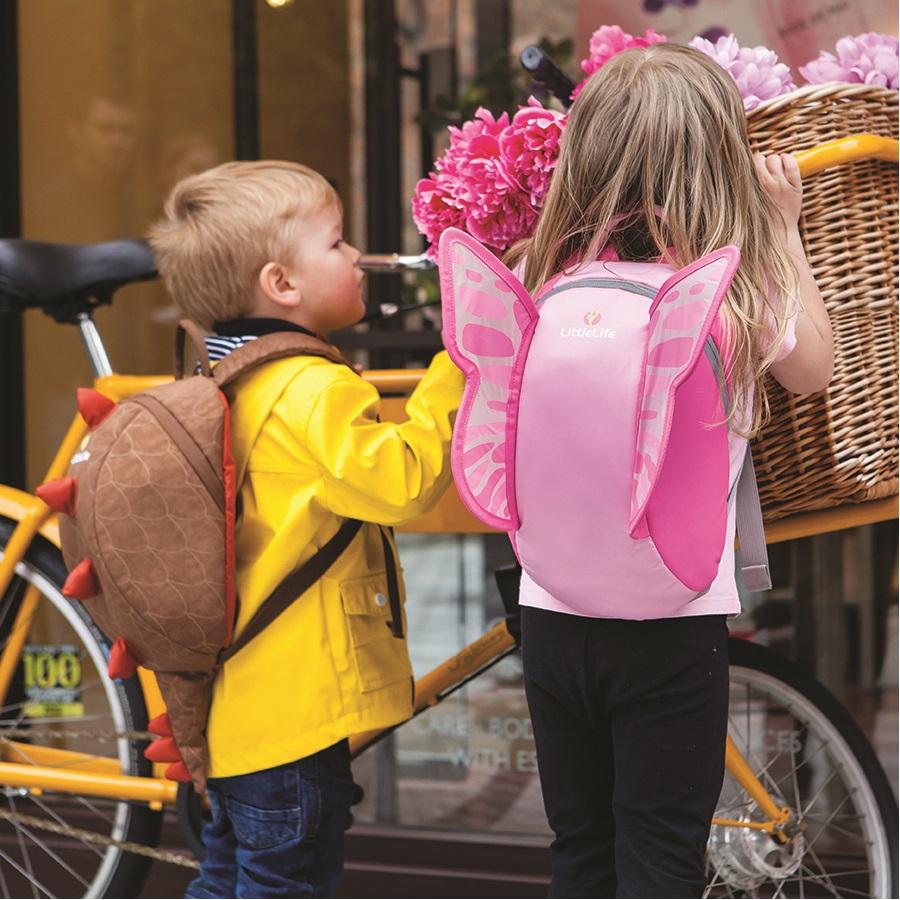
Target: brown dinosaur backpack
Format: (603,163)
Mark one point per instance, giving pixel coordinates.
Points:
(147,533)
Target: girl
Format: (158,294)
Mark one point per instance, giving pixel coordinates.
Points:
(630,716)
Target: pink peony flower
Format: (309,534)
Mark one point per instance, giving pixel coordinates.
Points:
(756,70)
(510,220)
(434,209)
(493,177)
(865,59)
(476,138)
(606,42)
(468,177)
(529,148)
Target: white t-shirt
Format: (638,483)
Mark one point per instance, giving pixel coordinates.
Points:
(722,596)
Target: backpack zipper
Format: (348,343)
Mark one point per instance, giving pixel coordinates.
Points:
(632,287)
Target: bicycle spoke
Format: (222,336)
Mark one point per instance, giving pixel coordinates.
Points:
(85,802)
(49,720)
(3,884)
(801,757)
(818,862)
(37,840)
(79,855)
(60,821)
(810,842)
(26,859)
(844,831)
(827,884)
(760,769)
(32,881)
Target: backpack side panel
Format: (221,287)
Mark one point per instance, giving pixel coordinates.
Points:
(687,513)
(229,477)
(158,534)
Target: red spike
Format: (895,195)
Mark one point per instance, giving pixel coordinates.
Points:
(59,495)
(82,583)
(162,750)
(160,725)
(178,772)
(93,406)
(122,662)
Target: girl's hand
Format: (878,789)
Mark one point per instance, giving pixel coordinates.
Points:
(779,175)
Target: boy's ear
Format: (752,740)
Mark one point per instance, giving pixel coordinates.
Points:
(279,285)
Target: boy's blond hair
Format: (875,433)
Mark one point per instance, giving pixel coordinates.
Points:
(223,225)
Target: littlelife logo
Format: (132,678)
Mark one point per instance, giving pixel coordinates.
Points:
(590,320)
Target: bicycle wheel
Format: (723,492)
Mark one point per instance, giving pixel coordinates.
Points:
(60,698)
(812,758)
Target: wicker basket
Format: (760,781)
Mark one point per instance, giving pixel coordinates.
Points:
(840,446)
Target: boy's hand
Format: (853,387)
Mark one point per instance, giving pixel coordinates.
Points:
(779,175)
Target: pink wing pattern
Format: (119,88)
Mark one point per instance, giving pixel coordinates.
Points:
(488,322)
(681,316)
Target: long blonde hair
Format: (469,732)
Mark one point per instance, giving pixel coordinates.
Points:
(655,160)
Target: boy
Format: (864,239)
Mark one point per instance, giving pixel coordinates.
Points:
(248,249)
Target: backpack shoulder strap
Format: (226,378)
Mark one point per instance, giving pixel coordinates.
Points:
(270,347)
(294,585)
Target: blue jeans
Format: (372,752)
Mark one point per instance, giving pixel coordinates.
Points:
(279,832)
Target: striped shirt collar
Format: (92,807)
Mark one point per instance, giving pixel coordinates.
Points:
(231,335)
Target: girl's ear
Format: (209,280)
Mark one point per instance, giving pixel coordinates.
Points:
(279,286)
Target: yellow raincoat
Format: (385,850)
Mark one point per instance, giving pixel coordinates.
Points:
(310,452)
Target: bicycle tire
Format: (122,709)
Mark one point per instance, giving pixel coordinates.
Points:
(812,757)
(116,873)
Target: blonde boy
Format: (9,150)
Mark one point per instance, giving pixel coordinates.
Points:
(248,249)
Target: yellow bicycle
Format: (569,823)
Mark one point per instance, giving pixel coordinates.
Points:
(806,810)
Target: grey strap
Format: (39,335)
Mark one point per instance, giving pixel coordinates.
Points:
(750,530)
(748,513)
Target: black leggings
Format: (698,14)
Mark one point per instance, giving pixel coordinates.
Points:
(629,722)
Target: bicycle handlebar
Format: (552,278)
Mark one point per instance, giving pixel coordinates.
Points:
(395,262)
(546,72)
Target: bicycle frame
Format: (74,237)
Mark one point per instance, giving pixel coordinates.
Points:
(48,768)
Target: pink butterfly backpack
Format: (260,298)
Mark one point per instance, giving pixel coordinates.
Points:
(593,426)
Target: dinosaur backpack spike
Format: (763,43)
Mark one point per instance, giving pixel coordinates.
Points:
(123,663)
(164,750)
(178,772)
(160,725)
(59,494)
(93,406)
(82,583)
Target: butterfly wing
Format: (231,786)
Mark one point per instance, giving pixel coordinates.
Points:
(489,319)
(681,317)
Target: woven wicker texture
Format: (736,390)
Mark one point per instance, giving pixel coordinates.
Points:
(840,446)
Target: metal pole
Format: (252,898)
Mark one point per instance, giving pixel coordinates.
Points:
(94,345)
(246,80)
(383,184)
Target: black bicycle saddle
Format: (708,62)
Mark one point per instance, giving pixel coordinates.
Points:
(66,279)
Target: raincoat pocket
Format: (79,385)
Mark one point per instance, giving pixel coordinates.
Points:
(380,658)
